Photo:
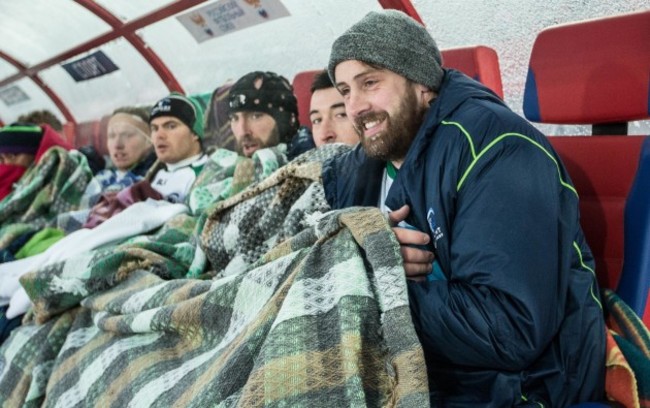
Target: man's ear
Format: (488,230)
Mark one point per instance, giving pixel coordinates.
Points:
(425,94)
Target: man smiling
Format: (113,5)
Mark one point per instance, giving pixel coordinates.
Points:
(500,278)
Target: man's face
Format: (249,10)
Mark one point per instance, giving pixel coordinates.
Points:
(17,159)
(329,121)
(126,144)
(253,131)
(173,140)
(385,108)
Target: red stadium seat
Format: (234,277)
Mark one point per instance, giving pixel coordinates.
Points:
(479,62)
(590,72)
(92,133)
(598,72)
(302,89)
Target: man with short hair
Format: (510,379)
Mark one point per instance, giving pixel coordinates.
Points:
(176,123)
(42,117)
(509,312)
(176,131)
(329,121)
(263,111)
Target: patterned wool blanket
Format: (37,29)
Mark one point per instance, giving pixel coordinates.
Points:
(628,354)
(53,186)
(321,320)
(171,251)
(237,231)
(227,173)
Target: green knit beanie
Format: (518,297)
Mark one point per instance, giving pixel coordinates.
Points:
(185,108)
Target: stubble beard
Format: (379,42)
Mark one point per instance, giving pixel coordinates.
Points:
(401,128)
(273,140)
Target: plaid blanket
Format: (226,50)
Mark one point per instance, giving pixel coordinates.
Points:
(628,354)
(239,230)
(320,320)
(171,251)
(227,173)
(53,186)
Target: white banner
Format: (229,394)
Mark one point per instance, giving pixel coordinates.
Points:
(225,16)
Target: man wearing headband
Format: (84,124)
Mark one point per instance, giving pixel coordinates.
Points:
(128,138)
(130,149)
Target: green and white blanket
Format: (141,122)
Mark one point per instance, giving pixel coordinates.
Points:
(321,320)
(170,252)
(238,231)
(53,186)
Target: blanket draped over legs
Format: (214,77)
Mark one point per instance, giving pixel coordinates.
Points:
(320,320)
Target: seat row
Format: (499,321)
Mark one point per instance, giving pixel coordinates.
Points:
(593,72)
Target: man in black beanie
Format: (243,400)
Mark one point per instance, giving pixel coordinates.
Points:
(500,278)
(263,111)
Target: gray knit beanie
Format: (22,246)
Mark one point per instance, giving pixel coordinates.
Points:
(392,40)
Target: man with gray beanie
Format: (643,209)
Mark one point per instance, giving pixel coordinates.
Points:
(500,277)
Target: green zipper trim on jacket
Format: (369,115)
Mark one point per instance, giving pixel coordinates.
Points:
(526,400)
(542,148)
(499,139)
(591,289)
(462,129)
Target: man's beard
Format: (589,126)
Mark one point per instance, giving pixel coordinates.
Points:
(273,140)
(401,128)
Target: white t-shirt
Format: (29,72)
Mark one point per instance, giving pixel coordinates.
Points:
(175,181)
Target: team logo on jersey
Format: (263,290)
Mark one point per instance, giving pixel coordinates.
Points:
(435,230)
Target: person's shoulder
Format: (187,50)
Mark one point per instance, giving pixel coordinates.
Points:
(302,142)
(352,156)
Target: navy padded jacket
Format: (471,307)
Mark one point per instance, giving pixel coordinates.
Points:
(518,319)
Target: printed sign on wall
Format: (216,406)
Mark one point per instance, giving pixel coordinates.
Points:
(13,95)
(226,16)
(89,67)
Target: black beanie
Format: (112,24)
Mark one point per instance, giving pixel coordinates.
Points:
(20,138)
(184,108)
(269,93)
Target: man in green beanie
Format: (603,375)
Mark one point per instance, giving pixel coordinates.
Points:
(500,278)
(176,133)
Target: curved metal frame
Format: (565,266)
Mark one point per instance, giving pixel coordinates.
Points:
(128,32)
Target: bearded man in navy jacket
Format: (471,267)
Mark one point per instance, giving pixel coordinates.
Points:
(501,280)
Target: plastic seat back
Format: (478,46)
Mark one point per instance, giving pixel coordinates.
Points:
(302,89)
(598,72)
(479,62)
